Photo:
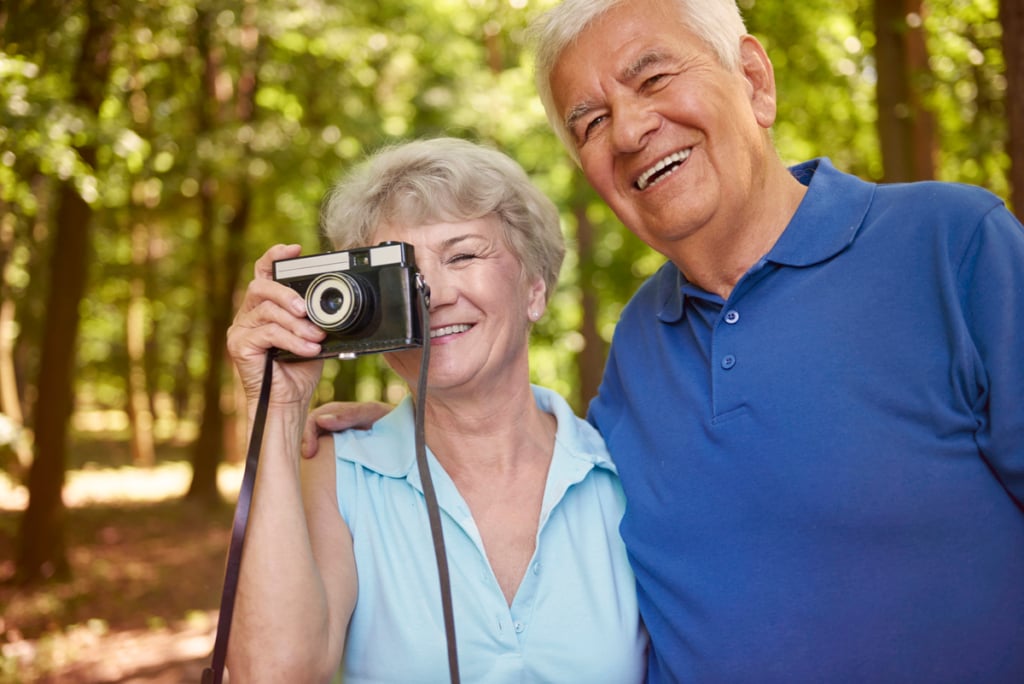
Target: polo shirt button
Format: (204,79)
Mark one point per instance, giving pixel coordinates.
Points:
(732,316)
(728,361)
(519,627)
(536,568)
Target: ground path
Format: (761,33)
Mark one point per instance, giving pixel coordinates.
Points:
(147,576)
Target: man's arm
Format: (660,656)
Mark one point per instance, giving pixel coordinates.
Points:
(992,278)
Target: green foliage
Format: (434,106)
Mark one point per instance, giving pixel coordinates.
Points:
(969,92)
(825,74)
(338,79)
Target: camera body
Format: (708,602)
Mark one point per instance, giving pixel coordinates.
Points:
(366,299)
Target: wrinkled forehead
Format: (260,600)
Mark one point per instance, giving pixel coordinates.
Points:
(616,48)
(429,227)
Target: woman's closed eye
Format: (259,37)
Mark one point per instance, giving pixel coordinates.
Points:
(462,258)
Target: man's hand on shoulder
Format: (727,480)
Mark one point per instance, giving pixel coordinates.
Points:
(340,415)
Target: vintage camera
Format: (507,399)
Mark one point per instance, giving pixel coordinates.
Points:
(367,299)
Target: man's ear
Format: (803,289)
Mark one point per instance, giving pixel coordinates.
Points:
(760,76)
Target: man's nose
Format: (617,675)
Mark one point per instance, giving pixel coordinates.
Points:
(632,123)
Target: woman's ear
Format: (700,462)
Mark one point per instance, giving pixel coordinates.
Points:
(537,300)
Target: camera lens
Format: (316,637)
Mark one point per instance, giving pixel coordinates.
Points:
(332,300)
(335,301)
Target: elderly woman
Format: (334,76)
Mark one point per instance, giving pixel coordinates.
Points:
(338,566)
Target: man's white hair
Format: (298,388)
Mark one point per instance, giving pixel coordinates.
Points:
(717,22)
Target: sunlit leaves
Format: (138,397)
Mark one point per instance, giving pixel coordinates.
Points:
(337,79)
(969,91)
(821,51)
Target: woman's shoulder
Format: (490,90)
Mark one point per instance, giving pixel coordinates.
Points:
(385,448)
(575,436)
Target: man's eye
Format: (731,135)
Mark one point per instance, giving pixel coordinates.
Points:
(653,81)
(592,126)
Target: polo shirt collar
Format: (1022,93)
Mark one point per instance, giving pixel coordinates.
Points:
(578,447)
(825,223)
(828,218)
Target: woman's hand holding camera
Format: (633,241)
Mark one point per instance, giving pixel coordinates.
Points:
(273,315)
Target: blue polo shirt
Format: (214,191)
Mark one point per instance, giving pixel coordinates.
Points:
(574,617)
(824,474)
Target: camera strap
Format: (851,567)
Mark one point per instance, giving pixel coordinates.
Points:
(214,674)
(433,511)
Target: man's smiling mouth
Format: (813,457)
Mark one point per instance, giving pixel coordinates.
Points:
(662,169)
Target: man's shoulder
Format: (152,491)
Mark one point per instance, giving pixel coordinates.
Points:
(936,196)
(946,215)
(929,195)
(934,208)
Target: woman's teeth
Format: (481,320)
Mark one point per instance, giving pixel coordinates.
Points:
(449,330)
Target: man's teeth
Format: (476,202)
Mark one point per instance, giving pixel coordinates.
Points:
(654,174)
(449,330)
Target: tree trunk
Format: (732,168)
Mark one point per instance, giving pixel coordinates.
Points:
(209,445)
(139,413)
(590,360)
(208,448)
(31,310)
(183,389)
(41,552)
(42,549)
(906,129)
(1011,14)
(10,397)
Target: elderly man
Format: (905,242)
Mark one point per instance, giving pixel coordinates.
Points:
(817,405)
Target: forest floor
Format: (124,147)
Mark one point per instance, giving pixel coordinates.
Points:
(147,573)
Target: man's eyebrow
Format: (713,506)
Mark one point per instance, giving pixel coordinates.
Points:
(576,113)
(637,66)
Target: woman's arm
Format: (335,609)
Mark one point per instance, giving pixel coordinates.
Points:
(295,594)
(297,585)
(331,543)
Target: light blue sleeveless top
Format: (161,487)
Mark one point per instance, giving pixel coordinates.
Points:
(574,617)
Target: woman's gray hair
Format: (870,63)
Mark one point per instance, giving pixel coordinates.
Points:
(446,180)
(717,22)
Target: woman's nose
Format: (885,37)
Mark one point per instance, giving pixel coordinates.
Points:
(441,291)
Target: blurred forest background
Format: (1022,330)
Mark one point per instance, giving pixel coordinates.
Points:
(150,150)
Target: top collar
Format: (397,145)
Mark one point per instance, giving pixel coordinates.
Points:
(387,447)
